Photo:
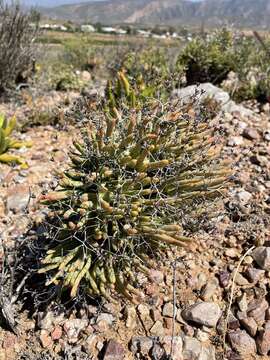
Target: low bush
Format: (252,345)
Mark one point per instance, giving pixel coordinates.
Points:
(16,45)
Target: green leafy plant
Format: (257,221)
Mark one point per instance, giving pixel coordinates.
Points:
(208,60)
(6,143)
(63,77)
(80,53)
(134,181)
(222,53)
(150,69)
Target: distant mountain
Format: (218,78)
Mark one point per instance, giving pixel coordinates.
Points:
(248,13)
(52,3)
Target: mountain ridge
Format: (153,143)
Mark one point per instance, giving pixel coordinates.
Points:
(171,12)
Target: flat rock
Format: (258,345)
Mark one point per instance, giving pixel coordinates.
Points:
(208,90)
(157,329)
(168,310)
(203,313)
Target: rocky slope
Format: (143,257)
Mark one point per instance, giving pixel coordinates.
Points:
(181,12)
(185,312)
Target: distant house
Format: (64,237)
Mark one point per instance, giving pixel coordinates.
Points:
(144,33)
(121,31)
(109,29)
(88,28)
(53,27)
(156,36)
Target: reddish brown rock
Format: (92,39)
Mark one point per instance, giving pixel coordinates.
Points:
(254,275)
(263,340)
(57,332)
(224,278)
(114,351)
(257,309)
(45,339)
(242,342)
(248,323)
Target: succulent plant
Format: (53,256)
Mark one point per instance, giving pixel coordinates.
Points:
(150,69)
(134,178)
(6,143)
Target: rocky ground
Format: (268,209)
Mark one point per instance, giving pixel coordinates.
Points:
(186,311)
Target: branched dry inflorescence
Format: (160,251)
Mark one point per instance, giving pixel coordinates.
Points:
(6,143)
(132,180)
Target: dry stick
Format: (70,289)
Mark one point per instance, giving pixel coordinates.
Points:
(174,305)
(231,296)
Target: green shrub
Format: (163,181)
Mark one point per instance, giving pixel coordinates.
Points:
(134,181)
(151,66)
(213,58)
(63,77)
(78,53)
(208,60)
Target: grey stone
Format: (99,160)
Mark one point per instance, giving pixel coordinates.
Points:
(141,345)
(131,317)
(108,318)
(241,280)
(208,90)
(254,275)
(257,310)
(203,313)
(192,348)
(157,352)
(208,353)
(243,196)
(251,134)
(18,198)
(73,327)
(177,346)
(262,257)
(242,342)
(210,289)
(168,310)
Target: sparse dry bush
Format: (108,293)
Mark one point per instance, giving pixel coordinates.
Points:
(16,44)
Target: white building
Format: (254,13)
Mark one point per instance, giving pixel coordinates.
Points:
(88,28)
